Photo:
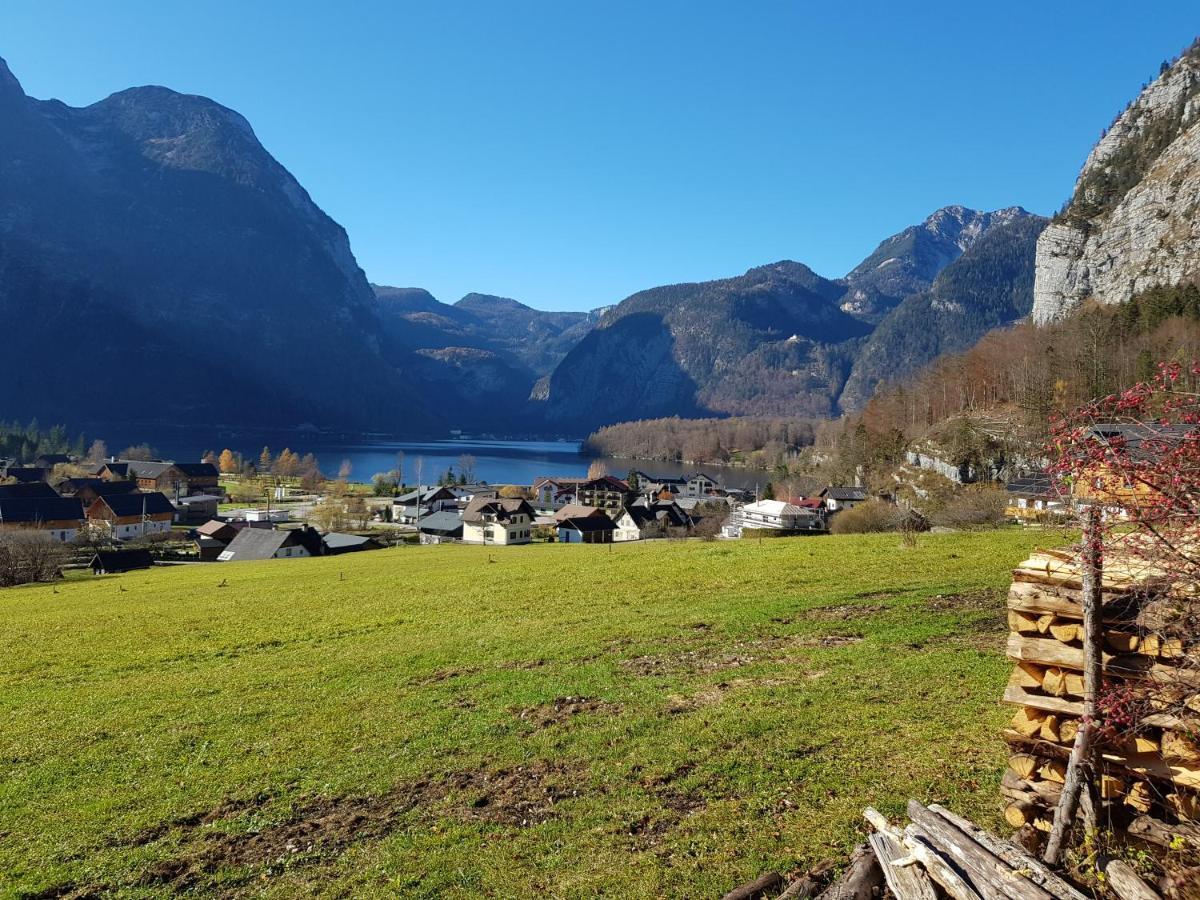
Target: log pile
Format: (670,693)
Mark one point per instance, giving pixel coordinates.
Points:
(1150,773)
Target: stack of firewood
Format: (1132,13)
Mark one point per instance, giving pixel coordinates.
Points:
(1150,772)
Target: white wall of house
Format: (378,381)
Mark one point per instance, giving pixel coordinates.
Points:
(518,531)
(140,529)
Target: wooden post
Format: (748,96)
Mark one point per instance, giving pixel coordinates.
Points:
(1093,637)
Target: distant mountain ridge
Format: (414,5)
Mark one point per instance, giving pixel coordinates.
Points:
(196,280)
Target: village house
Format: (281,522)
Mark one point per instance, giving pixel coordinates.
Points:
(196,508)
(26,491)
(605,492)
(497,520)
(129,516)
(596,529)
(25,474)
(440,527)
(112,562)
(698,485)
(637,523)
(1104,485)
(89,489)
(59,517)
(778,515)
(264,543)
(839,498)
(555,493)
(1033,498)
(407,508)
(212,538)
(336,543)
(173,479)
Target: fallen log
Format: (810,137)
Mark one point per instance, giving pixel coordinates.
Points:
(803,887)
(984,867)
(862,880)
(756,889)
(1125,882)
(1156,831)
(915,835)
(1010,853)
(919,851)
(1011,785)
(905,882)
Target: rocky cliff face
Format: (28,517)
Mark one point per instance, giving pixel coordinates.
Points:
(1133,221)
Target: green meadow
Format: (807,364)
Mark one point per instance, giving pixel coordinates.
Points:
(651,720)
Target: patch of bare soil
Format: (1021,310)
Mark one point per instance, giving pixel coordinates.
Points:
(831,640)
(674,805)
(980,598)
(319,830)
(715,693)
(846,611)
(562,709)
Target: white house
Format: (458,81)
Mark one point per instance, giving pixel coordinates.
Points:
(839,498)
(637,523)
(777,514)
(498,520)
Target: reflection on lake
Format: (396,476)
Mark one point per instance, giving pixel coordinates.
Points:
(497,462)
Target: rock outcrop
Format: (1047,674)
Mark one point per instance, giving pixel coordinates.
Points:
(1132,222)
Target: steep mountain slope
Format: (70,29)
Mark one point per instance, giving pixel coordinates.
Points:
(528,338)
(907,263)
(781,340)
(1132,221)
(990,285)
(762,342)
(153,251)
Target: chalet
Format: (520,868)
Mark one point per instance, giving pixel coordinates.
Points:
(441,526)
(587,530)
(89,489)
(263,543)
(212,538)
(671,514)
(59,517)
(174,479)
(336,543)
(111,562)
(555,493)
(50,460)
(29,491)
(129,516)
(499,520)
(698,485)
(605,492)
(1105,484)
(839,498)
(637,523)
(420,503)
(1034,498)
(114,471)
(778,515)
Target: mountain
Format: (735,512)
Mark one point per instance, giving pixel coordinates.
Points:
(528,338)
(907,262)
(1131,223)
(758,343)
(162,265)
(782,340)
(988,286)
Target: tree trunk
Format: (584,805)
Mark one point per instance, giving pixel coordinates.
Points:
(1081,753)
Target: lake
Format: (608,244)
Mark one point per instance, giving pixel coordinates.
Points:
(496,462)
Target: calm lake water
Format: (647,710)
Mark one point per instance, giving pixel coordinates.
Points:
(497,462)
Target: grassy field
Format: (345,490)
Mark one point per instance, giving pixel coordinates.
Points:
(651,720)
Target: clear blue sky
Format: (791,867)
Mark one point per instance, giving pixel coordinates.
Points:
(568,153)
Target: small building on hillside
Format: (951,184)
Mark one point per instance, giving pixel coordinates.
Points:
(588,530)
(196,508)
(637,523)
(1034,498)
(129,516)
(212,538)
(111,562)
(59,517)
(441,527)
(264,543)
(498,520)
(171,478)
(336,543)
(778,515)
(837,498)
